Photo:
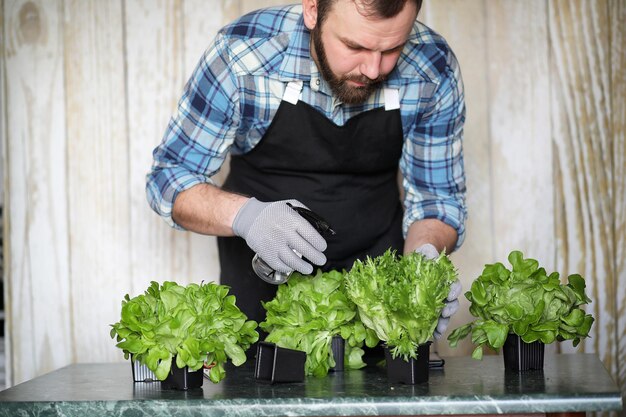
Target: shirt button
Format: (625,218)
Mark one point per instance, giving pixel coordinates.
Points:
(317,82)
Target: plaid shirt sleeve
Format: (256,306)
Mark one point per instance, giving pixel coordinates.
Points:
(198,135)
(432,163)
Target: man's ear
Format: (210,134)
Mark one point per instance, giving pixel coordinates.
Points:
(309,12)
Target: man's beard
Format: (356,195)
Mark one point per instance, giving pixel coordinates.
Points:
(339,85)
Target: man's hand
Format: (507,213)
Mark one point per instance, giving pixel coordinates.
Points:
(452,300)
(428,250)
(274,231)
(452,305)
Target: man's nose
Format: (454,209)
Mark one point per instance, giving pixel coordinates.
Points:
(371,66)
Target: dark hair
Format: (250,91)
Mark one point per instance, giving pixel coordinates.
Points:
(378,8)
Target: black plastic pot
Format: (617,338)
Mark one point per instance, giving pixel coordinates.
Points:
(521,356)
(338,350)
(276,364)
(415,371)
(141,373)
(182,378)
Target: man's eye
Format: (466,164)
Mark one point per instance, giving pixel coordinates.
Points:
(394,51)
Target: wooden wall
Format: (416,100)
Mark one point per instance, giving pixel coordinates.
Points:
(87,89)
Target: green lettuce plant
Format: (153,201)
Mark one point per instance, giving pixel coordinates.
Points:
(525,301)
(401,297)
(195,324)
(307,312)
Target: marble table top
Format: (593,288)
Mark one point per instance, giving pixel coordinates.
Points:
(568,383)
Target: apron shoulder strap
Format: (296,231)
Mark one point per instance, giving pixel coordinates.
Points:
(392,98)
(292,92)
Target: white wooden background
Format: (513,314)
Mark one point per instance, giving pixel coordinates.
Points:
(87,88)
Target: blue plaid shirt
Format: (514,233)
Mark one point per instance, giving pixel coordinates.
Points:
(234,93)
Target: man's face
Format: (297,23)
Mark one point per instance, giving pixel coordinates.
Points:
(355,51)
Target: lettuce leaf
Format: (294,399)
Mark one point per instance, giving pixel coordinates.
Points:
(401,297)
(195,324)
(524,300)
(307,312)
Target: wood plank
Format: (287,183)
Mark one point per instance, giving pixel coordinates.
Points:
(38,256)
(519,111)
(154,62)
(250,5)
(98,173)
(5,375)
(3,112)
(617,15)
(579,35)
(201,26)
(520,148)
(465,31)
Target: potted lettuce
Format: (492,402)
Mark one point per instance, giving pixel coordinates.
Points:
(311,313)
(521,310)
(401,298)
(173,329)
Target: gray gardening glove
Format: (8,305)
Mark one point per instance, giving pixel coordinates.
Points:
(452,300)
(275,232)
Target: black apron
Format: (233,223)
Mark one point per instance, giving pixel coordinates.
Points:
(347,174)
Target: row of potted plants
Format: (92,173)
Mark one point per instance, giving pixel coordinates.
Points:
(321,323)
(390,298)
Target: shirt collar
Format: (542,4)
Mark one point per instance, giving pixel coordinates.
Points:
(296,64)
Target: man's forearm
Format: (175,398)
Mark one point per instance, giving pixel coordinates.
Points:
(433,231)
(207,209)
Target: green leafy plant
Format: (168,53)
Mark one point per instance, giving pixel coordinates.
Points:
(526,301)
(195,324)
(401,297)
(305,315)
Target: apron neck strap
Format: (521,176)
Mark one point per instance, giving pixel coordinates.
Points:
(392,98)
(294,90)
